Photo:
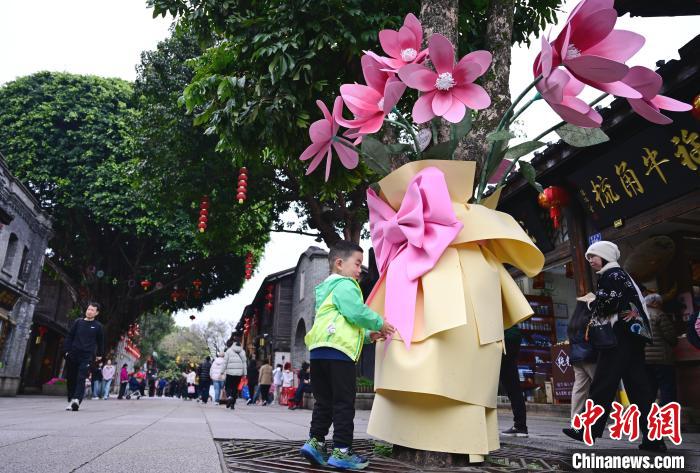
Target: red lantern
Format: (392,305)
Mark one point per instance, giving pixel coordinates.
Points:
(175,295)
(268,306)
(145,284)
(695,111)
(554,198)
(248,265)
(242,190)
(192,317)
(197,283)
(203,214)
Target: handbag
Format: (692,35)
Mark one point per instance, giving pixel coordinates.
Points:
(600,333)
(190,389)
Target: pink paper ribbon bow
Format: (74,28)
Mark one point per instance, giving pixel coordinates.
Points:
(409,243)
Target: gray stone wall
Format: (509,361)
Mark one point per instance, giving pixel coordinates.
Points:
(32,229)
(312,269)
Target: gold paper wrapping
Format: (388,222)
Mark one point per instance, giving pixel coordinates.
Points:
(440,394)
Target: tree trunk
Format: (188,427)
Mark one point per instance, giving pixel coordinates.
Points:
(499,34)
(440,16)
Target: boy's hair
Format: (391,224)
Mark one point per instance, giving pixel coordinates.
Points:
(342,250)
(96,305)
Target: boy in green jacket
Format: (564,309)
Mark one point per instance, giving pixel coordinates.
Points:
(343,324)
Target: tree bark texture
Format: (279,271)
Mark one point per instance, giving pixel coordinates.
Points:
(440,16)
(499,32)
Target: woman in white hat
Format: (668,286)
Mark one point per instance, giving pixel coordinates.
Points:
(619,301)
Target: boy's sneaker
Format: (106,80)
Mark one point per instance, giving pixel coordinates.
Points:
(346,459)
(515,432)
(68,407)
(75,404)
(315,451)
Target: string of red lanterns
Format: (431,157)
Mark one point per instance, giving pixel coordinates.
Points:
(248,265)
(146,284)
(203,213)
(554,198)
(242,190)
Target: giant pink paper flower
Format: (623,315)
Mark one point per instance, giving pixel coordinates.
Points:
(592,50)
(560,90)
(370,103)
(448,91)
(323,137)
(403,46)
(648,83)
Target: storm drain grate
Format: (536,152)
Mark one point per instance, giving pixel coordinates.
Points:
(282,456)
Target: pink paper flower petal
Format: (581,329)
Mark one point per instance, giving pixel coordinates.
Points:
(375,56)
(372,71)
(619,45)
(545,58)
(372,124)
(407,39)
(317,159)
(442,53)
(337,111)
(618,88)
(311,150)
(644,80)
(456,112)
(481,58)
(348,157)
(320,131)
(360,99)
(421,56)
(418,77)
(442,101)
(466,72)
(649,111)
(577,112)
(472,95)
(500,171)
(598,25)
(393,65)
(423,108)
(552,88)
(596,68)
(393,90)
(673,105)
(329,161)
(414,24)
(324,110)
(389,39)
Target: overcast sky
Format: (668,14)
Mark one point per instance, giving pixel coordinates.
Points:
(106,38)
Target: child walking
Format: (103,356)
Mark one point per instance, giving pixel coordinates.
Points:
(343,323)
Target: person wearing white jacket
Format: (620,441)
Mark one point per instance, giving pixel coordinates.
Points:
(218,375)
(235,367)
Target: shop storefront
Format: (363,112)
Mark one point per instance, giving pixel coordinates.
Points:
(640,190)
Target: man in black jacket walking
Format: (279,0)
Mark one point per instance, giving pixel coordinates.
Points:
(84,341)
(204,379)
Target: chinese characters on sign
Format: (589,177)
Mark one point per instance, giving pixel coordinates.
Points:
(650,168)
(664,421)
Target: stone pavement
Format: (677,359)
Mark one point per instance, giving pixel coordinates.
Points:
(173,436)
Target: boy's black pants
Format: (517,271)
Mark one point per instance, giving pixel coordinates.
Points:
(77,368)
(334,387)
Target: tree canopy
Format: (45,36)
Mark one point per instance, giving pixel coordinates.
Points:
(255,86)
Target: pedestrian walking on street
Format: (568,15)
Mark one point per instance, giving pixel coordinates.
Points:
(342,324)
(510,379)
(253,375)
(583,356)
(96,375)
(190,379)
(85,340)
(218,376)
(277,380)
(235,367)
(123,381)
(304,387)
(622,324)
(265,381)
(659,355)
(107,376)
(152,375)
(204,379)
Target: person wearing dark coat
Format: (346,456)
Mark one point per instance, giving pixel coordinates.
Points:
(204,378)
(619,301)
(252,379)
(583,355)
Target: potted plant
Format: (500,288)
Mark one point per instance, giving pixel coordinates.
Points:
(54,387)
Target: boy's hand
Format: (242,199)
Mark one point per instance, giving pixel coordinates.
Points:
(387,329)
(375,336)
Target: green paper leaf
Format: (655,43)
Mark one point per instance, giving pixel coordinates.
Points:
(439,151)
(522,149)
(581,137)
(500,135)
(375,155)
(462,128)
(530,174)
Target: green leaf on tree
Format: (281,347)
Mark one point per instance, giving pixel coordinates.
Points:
(375,155)
(530,174)
(581,137)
